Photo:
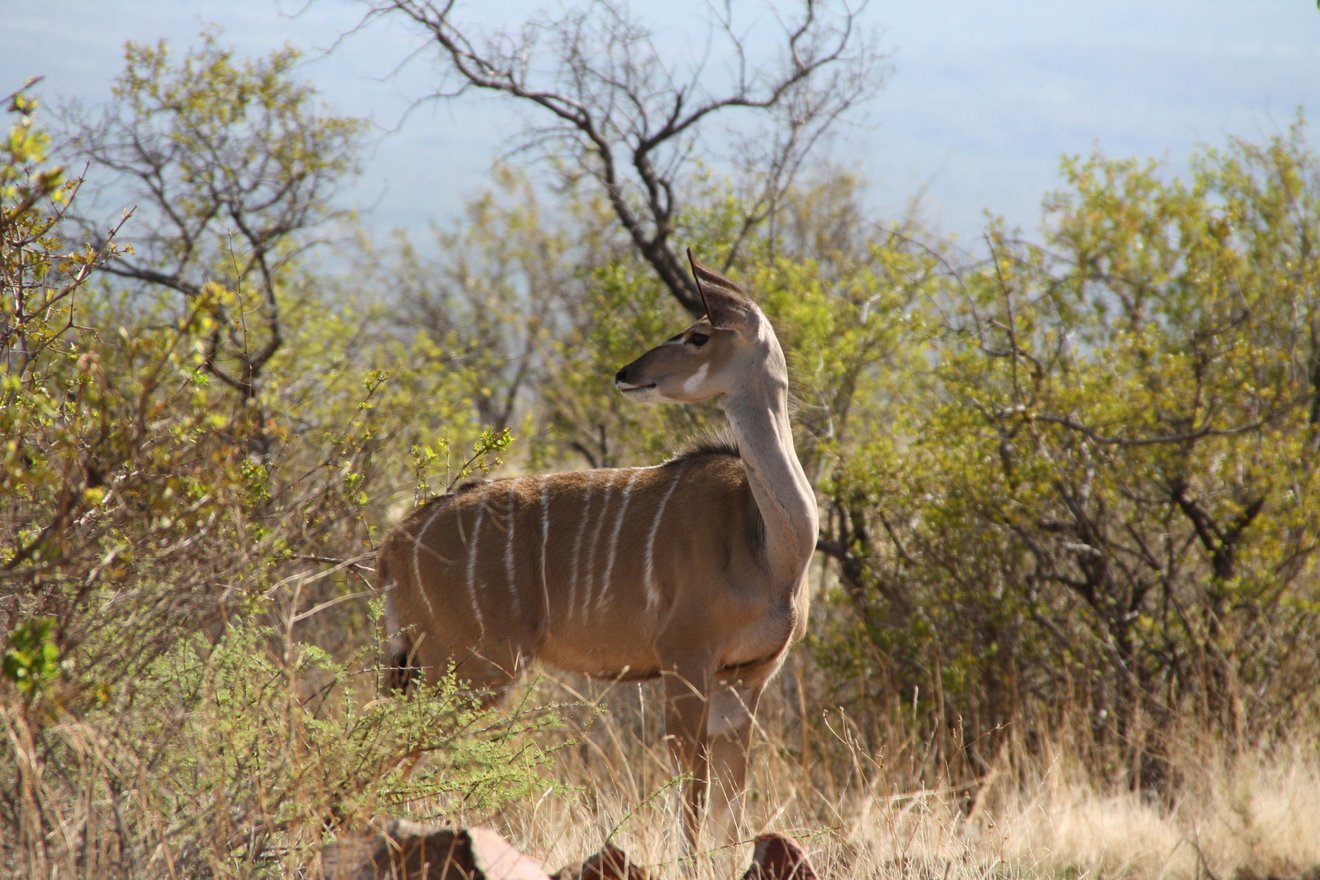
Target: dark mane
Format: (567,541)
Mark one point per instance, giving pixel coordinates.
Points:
(711,443)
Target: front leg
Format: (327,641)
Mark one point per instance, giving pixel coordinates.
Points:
(687,708)
(729,733)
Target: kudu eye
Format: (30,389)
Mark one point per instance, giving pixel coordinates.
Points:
(699,339)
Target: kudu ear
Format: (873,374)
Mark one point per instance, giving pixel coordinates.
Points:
(727,306)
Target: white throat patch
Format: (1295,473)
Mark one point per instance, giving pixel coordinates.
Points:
(694,381)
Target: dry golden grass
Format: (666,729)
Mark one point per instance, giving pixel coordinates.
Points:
(1254,815)
(861,814)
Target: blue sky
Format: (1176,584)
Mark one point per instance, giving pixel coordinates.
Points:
(982,101)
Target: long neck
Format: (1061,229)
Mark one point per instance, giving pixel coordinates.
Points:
(758,415)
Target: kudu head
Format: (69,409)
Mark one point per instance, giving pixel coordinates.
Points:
(711,358)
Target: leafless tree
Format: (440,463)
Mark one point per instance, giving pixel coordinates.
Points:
(616,110)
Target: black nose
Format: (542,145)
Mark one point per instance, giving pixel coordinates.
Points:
(621,376)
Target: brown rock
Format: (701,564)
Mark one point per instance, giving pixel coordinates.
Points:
(611,863)
(407,851)
(778,857)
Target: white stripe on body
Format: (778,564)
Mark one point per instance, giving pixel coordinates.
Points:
(605,593)
(595,542)
(574,567)
(417,549)
(653,598)
(472,562)
(545,540)
(577,552)
(510,574)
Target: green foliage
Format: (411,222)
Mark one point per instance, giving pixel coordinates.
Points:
(142,503)
(239,134)
(1107,497)
(39,277)
(32,660)
(237,758)
(1077,479)
(246,738)
(49,381)
(1074,477)
(23,179)
(231,163)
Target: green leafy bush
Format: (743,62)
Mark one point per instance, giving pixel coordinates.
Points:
(155,525)
(1100,501)
(241,757)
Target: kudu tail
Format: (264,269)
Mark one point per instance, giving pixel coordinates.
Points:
(399,669)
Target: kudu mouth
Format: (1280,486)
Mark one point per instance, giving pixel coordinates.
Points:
(622,382)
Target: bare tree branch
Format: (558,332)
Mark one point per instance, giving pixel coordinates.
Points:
(631,121)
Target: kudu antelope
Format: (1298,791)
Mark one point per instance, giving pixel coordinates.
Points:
(693,570)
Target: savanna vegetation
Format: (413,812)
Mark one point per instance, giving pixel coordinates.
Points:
(1068,577)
